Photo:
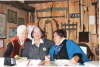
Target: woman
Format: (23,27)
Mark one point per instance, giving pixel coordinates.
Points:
(40,46)
(66,49)
(18,44)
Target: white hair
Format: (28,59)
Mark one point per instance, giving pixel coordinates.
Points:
(21,28)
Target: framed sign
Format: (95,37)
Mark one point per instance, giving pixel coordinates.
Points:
(12,16)
(75,15)
(2,26)
(12,32)
(21,21)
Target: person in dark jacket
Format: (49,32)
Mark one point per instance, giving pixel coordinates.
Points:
(18,44)
(40,45)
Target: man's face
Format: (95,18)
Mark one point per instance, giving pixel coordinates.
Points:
(22,35)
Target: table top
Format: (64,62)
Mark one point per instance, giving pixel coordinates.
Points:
(57,63)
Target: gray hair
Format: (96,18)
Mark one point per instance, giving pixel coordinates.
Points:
(21,28)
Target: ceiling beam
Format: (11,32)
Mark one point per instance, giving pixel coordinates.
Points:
(19,5)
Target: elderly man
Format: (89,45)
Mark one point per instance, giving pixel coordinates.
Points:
(18,44)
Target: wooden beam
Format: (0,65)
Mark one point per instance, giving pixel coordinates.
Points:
(51,17)
(53,9)
(69,24)
(19,5)
(70,29)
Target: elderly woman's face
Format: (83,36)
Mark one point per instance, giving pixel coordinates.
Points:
(22,35)
(37,33)
(57,38)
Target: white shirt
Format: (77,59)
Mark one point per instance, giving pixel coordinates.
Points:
(33,42)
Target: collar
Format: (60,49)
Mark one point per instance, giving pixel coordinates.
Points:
(33,41)
(61,41)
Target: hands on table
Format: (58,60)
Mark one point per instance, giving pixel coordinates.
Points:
(66,62)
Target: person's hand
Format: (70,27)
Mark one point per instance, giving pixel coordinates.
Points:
(47,58)
(74,60)
(46,61)
(17,57)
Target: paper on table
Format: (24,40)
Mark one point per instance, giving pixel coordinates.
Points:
(62,62)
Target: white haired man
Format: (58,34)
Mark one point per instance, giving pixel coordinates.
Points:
(18,43)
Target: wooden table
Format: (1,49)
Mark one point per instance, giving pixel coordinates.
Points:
(32,63)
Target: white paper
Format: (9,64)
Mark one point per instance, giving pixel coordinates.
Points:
(84,49)
(91,19)
(1,43)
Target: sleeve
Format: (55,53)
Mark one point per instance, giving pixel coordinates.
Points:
(51,53)
(48,44)
(8,50)
(73,49)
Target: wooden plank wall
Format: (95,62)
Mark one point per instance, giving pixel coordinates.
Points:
(62,15)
